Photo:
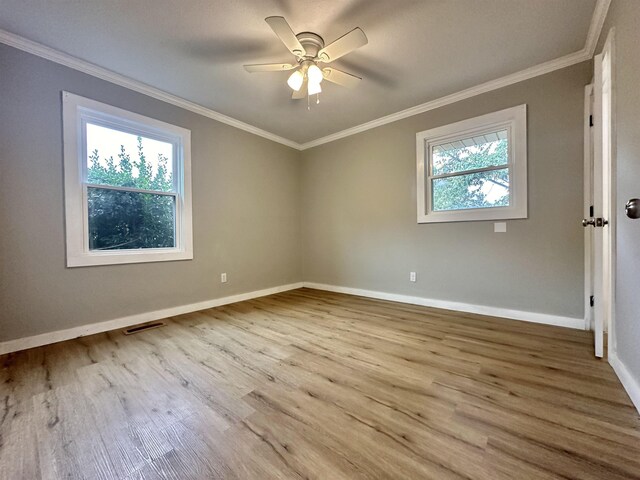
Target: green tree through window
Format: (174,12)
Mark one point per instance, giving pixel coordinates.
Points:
(122,219)
(475,190)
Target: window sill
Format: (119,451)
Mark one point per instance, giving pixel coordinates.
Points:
(124,257)
(474,215)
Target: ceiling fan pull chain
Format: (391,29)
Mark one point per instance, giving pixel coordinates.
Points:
(308,106)
(318,99)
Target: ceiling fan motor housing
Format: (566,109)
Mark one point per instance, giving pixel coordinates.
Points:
(312,44)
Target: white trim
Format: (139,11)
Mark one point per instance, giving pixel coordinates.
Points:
(597,22)
(75,63)
(76,112)
(595,27)
(630,384)
(599,234)
(588,201)
(514,120)
(123,322)
(604,197)
(18,344)
(609,49)
(520,76)
(534,317)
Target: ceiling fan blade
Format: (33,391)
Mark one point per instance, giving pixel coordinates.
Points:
(302,93)
(345,44)
(341,78)
(269,67)
(282,29)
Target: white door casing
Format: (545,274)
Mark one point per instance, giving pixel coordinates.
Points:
(588,207)
(599,199)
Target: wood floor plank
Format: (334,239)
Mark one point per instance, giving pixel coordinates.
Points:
(317,385)
(68,447)
(18,441)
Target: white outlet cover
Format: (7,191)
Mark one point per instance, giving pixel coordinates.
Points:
(412,276)
(500,227)
(223,277)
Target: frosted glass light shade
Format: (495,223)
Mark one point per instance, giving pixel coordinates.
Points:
(314,87)
(295,80)
(315,74)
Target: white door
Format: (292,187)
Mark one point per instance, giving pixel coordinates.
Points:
(588,213)
(598,201)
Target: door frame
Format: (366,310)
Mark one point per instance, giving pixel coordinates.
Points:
(609,51)
(588,201)
(597,138)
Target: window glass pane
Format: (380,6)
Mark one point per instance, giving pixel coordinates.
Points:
(479,151)
(125,160)
(121,220)
(474,190)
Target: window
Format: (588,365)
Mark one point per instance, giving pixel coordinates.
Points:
(474,170)
(127,186)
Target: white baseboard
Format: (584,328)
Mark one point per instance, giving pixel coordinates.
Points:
(534,317)
(93,328)
(630,384)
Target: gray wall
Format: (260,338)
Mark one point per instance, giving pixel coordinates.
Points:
(342,213)
(624,15)
(246,216)
(359,210)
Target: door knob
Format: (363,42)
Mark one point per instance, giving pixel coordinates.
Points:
(595,222)
(632,208)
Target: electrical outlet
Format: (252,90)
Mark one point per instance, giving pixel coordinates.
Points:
(500,227)
(412,276)
(223,278)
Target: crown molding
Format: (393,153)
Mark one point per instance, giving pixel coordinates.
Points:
(587,52)
(75,63)
(525,74)
(595,29)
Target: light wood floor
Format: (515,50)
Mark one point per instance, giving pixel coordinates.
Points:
(309,384)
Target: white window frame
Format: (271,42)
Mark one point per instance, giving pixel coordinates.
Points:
(76,112)
(514,120)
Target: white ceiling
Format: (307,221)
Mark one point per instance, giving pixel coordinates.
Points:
(418,50)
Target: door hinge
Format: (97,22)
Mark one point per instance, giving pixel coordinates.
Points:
(592,301)
(591,120)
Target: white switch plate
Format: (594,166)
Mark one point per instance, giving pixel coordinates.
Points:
(223,278)
(500,227)
(412,276)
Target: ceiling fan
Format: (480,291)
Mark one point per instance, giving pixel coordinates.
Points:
(309,50)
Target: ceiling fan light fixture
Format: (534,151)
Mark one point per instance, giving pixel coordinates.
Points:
(315,74)
(314,87)
(296,80)
(310,50)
